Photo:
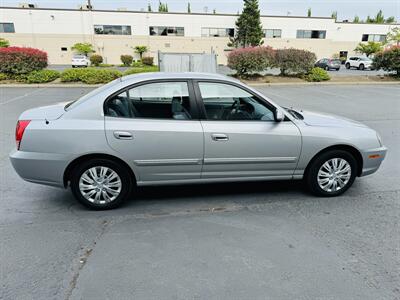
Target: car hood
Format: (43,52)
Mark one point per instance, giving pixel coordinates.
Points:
(50,112)
(326,120)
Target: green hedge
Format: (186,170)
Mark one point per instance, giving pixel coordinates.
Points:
(317,74)
(90,75)
(141,70)
(3,76)
(42,76)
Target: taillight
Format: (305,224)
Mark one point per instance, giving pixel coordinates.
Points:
(19,131)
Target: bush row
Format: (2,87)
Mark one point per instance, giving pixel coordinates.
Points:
(39,76)
(255,59)
(388,60)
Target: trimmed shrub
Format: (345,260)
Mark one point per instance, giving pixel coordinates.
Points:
(141,70)
(294,61)
(20,60)
(317,74)
(90,75)
(4,43)
(96,59)
(388,60)
(252,59)
(148,60)
(3,76)
(126,60)
(42,76)
(72,75)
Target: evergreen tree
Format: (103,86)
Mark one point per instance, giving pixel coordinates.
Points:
(162,7)
(334,15)
(149,7)
(189,10)
(309,12)
(356,19)
(248,26)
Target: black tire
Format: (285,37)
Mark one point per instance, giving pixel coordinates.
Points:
(348,66)
(361,67)
(337,69)
(127,182)
(311,175)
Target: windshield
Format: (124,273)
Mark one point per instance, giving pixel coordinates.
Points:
(294,113)
(79,57)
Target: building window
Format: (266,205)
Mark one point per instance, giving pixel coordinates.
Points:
(113,29)
(373,38)
(311,34)
(7,27)
(167,30)
(273,33)
(64,49)
(217,32)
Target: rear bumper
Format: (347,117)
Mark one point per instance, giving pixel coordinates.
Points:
(372,159)
(42,168)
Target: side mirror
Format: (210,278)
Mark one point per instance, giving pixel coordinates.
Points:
(279,115)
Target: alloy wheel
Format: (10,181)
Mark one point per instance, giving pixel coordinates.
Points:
(100,185)
(334,175)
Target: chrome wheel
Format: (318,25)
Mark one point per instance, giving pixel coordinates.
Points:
(100,185)
(334,175)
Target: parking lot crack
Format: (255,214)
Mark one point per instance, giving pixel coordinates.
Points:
(83,256)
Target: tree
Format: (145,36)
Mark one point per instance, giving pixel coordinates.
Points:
(368,48)
(309,12)
(248,26)
(214,11)
(379,18)
(162,7)
(188,8)
(4,43)
(149,8)
(140,50)
(394,36)
(334,15)
(356,19)
(390,20)
(83,48)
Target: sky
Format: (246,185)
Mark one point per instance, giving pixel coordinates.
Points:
(322,8)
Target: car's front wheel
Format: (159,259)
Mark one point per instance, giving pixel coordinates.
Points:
(331,173)
(361,67)
(101,184)
(347,66)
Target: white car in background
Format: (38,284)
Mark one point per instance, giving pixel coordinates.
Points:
(359,62)
(80,61)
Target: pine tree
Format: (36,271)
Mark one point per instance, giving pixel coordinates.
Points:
(356,19)
(248,26)
(334,15)
(189,10)
(149,7)
(309,12)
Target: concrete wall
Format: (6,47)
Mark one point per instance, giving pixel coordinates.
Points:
(51,30)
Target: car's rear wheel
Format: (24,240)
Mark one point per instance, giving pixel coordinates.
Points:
(101,183)
(361,67)
(348,66)
(331,173)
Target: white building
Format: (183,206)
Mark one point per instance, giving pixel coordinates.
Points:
(116,32)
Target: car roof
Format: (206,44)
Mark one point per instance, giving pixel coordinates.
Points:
(182,75)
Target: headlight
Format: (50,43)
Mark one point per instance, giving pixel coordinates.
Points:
(379,139)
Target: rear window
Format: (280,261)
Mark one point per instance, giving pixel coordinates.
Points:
(336,61)
(79,56)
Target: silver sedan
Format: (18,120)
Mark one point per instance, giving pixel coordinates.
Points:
(166,128)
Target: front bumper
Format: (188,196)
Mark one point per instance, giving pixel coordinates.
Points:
(42,168)
(372,159)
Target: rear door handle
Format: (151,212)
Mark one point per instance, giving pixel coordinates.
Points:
(219,137)
(123,135)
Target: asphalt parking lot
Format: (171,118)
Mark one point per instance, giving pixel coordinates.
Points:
(221,241)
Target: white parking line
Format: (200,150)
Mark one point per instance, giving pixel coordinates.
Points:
(22,96)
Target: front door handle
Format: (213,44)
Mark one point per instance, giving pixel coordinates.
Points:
(219,137)
(123,135)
